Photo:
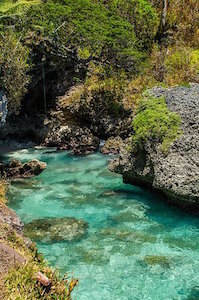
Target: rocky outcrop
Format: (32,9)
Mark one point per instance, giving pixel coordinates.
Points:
(102,115)
(9,258)
(76,122)
(71,136)
(175,173)
(17,169)
(8,216)
(112,145)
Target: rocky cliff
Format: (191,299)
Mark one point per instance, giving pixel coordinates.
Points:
(175,173)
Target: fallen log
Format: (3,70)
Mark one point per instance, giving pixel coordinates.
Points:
(43,279)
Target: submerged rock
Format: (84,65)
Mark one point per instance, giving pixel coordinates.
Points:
(56,229)
(175,173)
(161,260)
(17,169)
(127,235)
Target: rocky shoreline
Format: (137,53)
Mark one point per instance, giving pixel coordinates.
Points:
(18,254)
(79,128)
(175,173)
(17,169)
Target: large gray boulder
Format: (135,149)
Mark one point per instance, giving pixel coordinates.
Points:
(176,173)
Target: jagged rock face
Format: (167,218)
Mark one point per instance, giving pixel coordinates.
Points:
(177,172)
(101,115)
(17,169)
(112,145)
(9,217)
(9,258)
(70,136)
(78,125)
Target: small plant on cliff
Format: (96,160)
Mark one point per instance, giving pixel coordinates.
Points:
(154,122)
(3,189)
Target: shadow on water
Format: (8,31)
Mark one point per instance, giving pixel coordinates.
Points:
(194,294)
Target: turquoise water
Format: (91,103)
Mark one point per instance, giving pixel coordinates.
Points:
(137,246)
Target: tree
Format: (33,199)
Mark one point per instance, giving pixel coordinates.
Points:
(13,69)
(162,25)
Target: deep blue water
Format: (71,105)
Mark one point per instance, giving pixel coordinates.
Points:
(137,246)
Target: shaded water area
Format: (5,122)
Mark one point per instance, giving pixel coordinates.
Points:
(134,245)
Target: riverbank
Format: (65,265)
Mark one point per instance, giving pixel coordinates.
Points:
(20,262)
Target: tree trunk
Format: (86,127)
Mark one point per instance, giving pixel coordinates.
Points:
(161,29)
(164,13)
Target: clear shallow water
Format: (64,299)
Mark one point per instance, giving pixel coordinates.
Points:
(137,246)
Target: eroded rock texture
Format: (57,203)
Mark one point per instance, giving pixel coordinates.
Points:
(177,172)
(17,169)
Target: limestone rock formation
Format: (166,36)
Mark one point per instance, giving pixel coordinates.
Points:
(112,145)
(17,169)
(175,173)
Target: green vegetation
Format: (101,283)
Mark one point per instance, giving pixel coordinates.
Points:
(141,15)
(21,283)
(182,65)
(123,47)
(14,68)
(115,35)
(155,123)
(95,32)
(6,5)
(103,87)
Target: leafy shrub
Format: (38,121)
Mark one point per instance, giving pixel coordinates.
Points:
(85,25)
(142,16)
(154,122)
(181,65)
(102,89)
(14,67)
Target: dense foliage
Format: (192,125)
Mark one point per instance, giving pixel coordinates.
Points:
(85,27)
(141,15)
(119,36)
(154,122)
(14,67)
